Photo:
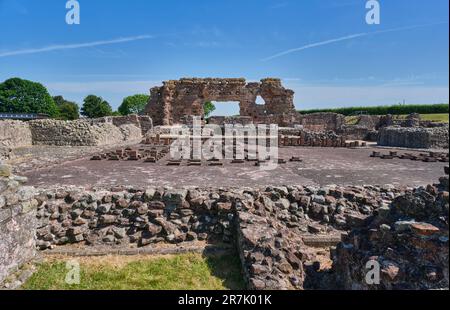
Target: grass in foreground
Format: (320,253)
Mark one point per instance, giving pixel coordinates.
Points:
(184,272)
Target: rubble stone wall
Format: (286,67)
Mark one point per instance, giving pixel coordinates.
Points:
(414,137)
(140,121)
(173,101)
(407,240)
(17,223)
(322,121)
(223,120)
(130,216)
(267,225)
(82,133)
(14,134)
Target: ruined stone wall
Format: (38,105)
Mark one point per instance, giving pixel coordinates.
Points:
(407,239)
(414,137)
(271,226)
(302,137)
(14,134)
(322,121)
(176,99)
(143,122)
(17,222)
(133,216)
(223,120)
(82,133)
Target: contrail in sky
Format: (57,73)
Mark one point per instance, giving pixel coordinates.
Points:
(73,46)
(348,37)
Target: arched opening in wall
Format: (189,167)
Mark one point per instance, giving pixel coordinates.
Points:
(261,105)
(228,108)
(260,101)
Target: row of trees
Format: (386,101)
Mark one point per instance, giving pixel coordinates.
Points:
(23,96)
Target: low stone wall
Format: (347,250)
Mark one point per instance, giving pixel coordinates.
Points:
(322,121)
(267,225)
(302,137)
(14,134)
(408,240)
(143,122)
(223,120)
(17,222)
(82,133)
(356,132)
(414,137)
(139,217)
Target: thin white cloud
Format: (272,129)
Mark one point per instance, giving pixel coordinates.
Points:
(345,38)
(101,87)
(298,49)
(73,46)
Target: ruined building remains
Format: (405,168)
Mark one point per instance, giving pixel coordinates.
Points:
(175,100)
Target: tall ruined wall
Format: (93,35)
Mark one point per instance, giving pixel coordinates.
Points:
(17,222)
(14,134)
(176,99)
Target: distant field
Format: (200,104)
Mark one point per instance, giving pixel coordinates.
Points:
(175,272)
(399,109)
(436,117)
(443,118)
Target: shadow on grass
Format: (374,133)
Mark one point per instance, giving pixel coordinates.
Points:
(227,267)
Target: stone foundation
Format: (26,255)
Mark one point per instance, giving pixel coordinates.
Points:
(408,241)
(14,134)
(17,223)
(82,133)
(414,137)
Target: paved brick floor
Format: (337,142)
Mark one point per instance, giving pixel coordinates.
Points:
(320,166)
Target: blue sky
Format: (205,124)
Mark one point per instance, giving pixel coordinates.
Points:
(322,49)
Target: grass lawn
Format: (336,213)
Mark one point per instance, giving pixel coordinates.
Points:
(435,117)
(172,272)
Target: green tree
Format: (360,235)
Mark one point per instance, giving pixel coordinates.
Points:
(134,104)
(23,96)
(68,110)
(94,107)
(208,108)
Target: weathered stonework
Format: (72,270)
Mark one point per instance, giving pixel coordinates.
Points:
(82,133)
(173,101)
(408,239)
(14,134)
(17,223)
(414,137)
(322,121)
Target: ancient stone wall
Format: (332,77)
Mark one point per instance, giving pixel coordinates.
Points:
(414,137)
(132,216)
(322,121)
(17,222)
(223,120)
(14,134)
(140,121)
(408,240)
(82,133)
(186,97)
(271,226)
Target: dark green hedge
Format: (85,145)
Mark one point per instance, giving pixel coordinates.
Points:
(382,110)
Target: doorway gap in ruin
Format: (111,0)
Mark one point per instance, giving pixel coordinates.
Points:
(228,108)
